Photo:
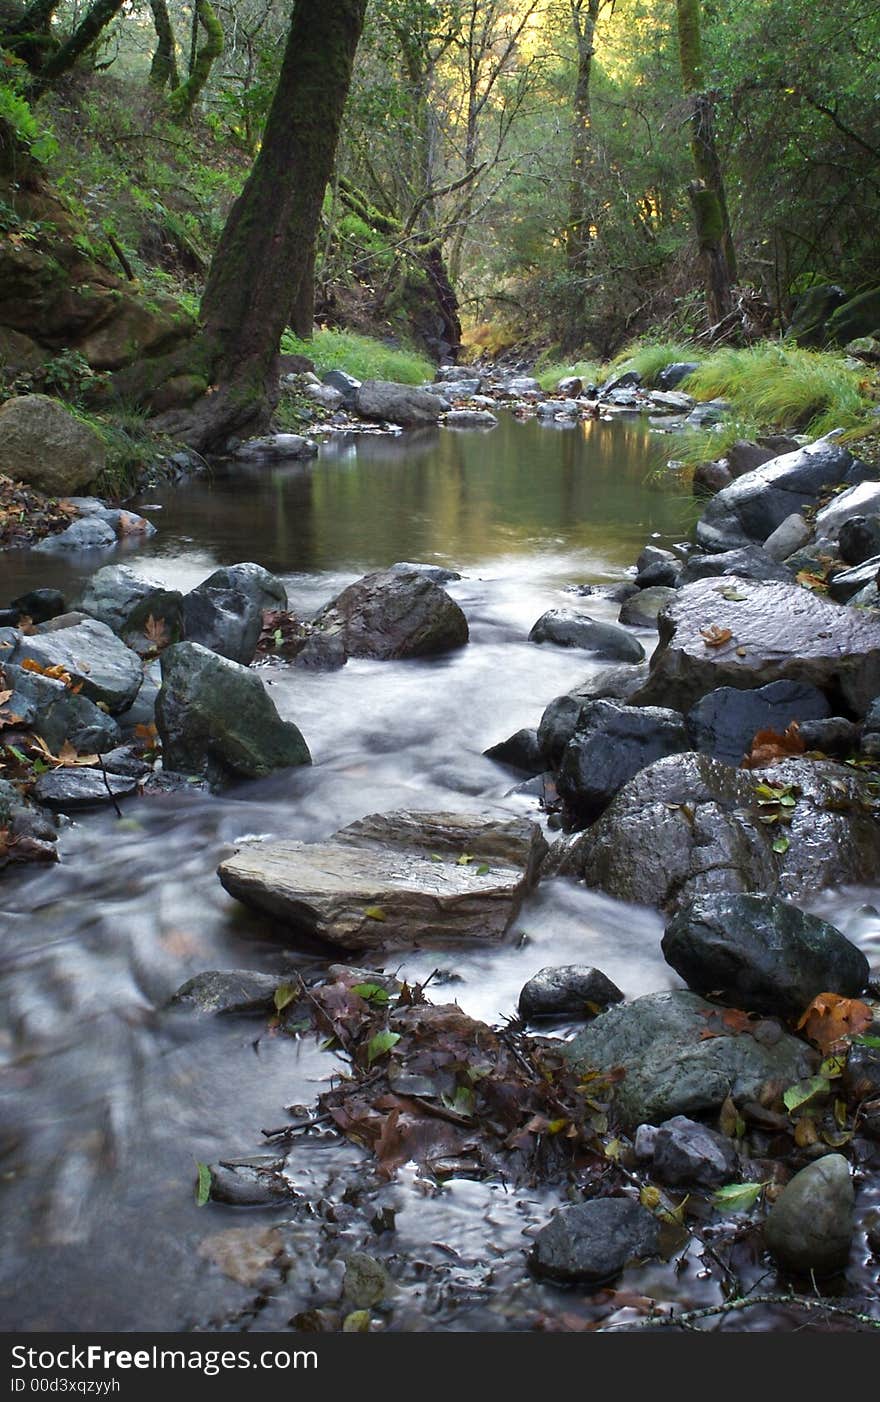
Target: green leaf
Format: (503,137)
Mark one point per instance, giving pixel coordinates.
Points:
(464,859)
(867,1041)
(373,992)
(278,637)
(14,750)
(483,870)
(375,912)
(738,1197)
(832,1067)
(734,595)
(380,1044)
(203,1190)
(781,844)
(463,1102)
(435,857)
(787,800)
(285,994)
(799,1094)
(358,1322)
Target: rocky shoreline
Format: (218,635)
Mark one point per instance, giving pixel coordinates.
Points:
(725,783)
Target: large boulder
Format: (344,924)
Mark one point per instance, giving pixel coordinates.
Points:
(56,713)
(575,991)
(611,744)
(724,722)
(860,316)
(672,1068)
(225,612)
(748,634)
(591,1242)
(43,444)
(387,402)
(565,628)
(858,500)
(751,508)
(761,953)
(395,880)
(126,601)
(91,654)
(689,826)
(562,717)
(810,313)
(394,614)
(810,1226)
(747,562)
(215,718)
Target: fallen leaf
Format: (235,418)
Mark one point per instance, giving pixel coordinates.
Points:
(713,636)
(831,1019)
(738,1197)
(769,746)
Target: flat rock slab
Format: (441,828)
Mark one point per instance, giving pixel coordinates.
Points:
(671,1068)
(219,991)
(394,880)
(745,634)
(92,654)
(81,788)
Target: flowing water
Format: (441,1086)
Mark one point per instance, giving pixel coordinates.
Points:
(109,1101)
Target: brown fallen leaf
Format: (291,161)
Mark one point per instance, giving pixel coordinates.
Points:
(769,746)
(713,636)
(831,1019)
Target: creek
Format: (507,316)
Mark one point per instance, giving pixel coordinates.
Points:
(109,1102)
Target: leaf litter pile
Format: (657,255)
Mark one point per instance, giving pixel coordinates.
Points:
(26,515)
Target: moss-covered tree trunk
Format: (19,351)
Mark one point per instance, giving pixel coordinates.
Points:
(182,99)
(163,69)
(267,245)
(96,19)
(26,31)
(581,194)
(708,198)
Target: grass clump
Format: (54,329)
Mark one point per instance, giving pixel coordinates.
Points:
(360,356)
(548,377)
(648,358)
(773,386)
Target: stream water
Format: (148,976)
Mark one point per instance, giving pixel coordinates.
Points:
(108,1102)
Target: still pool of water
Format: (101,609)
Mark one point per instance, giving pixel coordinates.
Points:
(108,1102)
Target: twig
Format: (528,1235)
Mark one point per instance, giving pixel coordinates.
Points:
(689,1317)
(322,1013)
(126,266)
(108,788)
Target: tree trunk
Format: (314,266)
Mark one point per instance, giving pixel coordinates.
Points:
(82,38)
(267,245)
(163,69)
(302,314)
(183,99)
(708,198)
(579,233)
(29,36)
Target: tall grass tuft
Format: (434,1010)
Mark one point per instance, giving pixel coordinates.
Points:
(781,387)
(360,356)
(548,377)
(648,358)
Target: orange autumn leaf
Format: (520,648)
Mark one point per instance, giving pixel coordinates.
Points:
(713,636)
(830,1019)
(769,746)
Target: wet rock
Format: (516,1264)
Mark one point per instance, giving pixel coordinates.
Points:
(470,418)
(225,612)
(379,884)
(713,411)
(751,508)
(391,614)
(564,628)
(57,714)
(559,408)
(521,751)
(39,604)
(611,744)
(861,1076)
(276,447)
(810,1226)
(641,609)
(523,384)
(845,584)
(663,574)
(671,1068)
(366,1281)
(438,574)
(777,631)
(863,499)
(837,737)
(689,826)
(47,446)
(655,555)
(725,721)
(115,595)
(93,656)
(859,539)
(216,719)
(222,991)
(630,379)
(749,562)
(384,401)
(744,456)
(30,831)
(81,788)
(346,384)
(567,991)
(792,535)
(673,374)
(87,533)
(710,478)
(124,761)
(456,392)
(670,402)
(562,716)
(592,1242)
(570,387)
(254,1182)
(615,593)
(761,953)
(686,1153)
(325,395)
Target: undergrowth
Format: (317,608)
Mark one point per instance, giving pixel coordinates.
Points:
(360,356)
(776,387)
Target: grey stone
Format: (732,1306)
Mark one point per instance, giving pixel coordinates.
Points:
(562,716)
(87,533)
(457,392)
(567,991)
(254,1182)
(32,831)
(115,593)
(225,612)
(792,534)
(709,413)
(591,1242)
(670,402)
(834,736)
(81,788)
(671,1068)
(455,374)
(655,555)
(859,539)
(565,628)
(743,456)
(346,384)
(863,499)
(56,713)
(43,444)
(724,722)
(522,751)
(710,478)
(810,314)
(751,508)
(378,884)
(641,609)
(685,1153)
(92,655)
(673,374)
(777,632)
(844,585)
(746,562)
(570,387)
(630,379)
(611,744)
(276,447)
(366,1281)
(392,614)
(470,418)
(810,1225)
(438,574)
(227,991)
(326,396)
(859,316)
(215,718)
(761,953)
(689,826)
(564,408)
(401,404)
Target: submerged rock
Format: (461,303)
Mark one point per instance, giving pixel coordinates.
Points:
(395,880)
(591,1242)
(227,991)
(393,614)
(567,990)
(746,634)
(761,953)
(568,629)
(810,1226)
(671,1068)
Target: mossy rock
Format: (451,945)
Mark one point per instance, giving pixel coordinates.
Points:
(47,446)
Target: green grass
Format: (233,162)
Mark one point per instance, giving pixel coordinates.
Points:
(360,356)
(774,387)
(590,371)
(648,358)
